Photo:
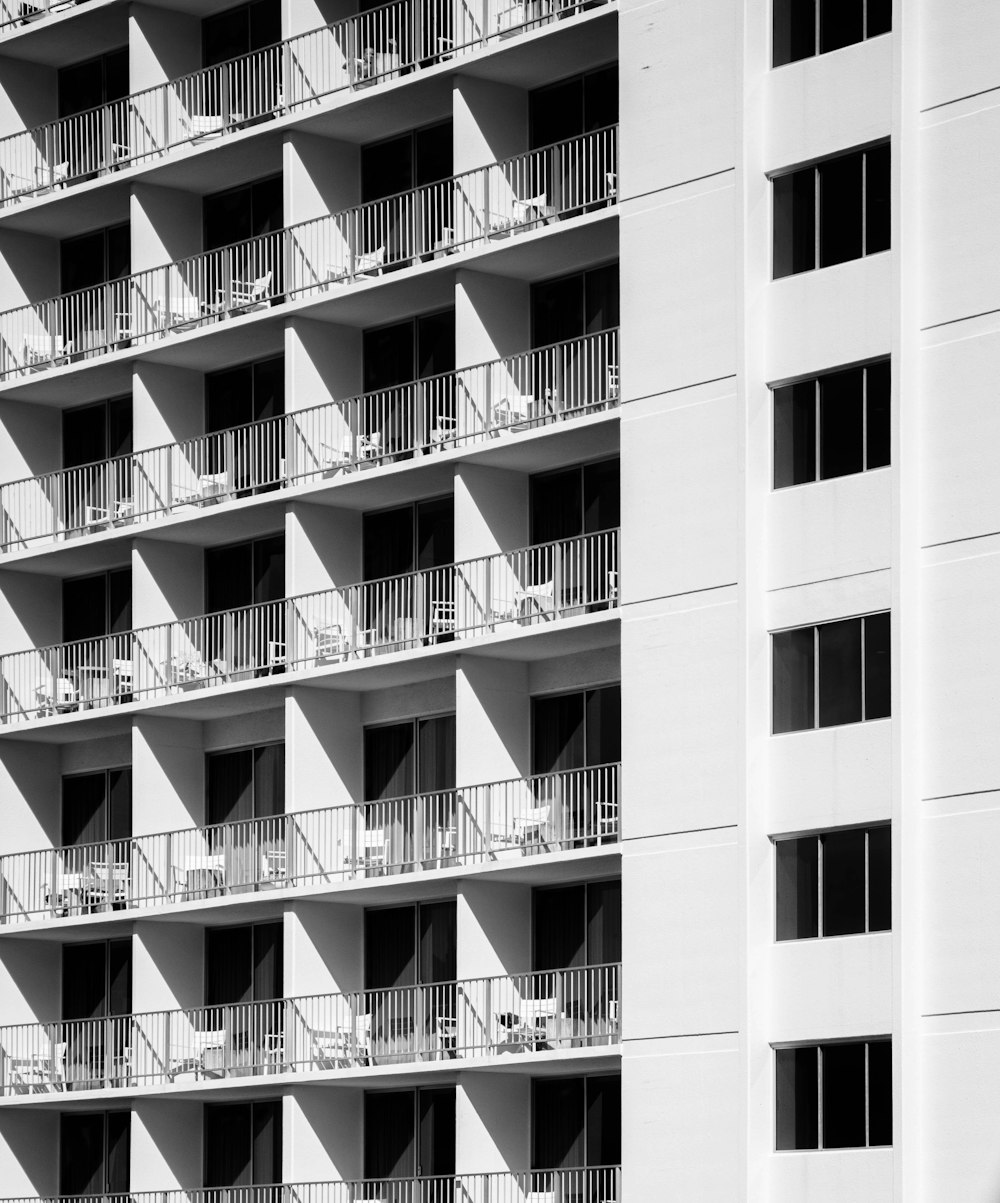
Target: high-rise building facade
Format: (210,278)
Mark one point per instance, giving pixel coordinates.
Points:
(587,794)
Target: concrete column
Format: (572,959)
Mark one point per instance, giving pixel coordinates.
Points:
(163,44)
(28,95)
(323,1131)
(324,749)
(29,1152)
(321,176)
(30,441)
(168,774)
(166,225)
(324,944)
(168,404)
(492,317)
(323,545)
(493,719)
(167,583)
(491,510)
(166,1145)
(493,1122)
(491,121)
(30,612)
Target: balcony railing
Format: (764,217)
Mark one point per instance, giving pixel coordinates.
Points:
(521,392)
(25,12)
(527,587)
(315,257)
(458,1020)
(549,812)
(583,1184)
(295,75)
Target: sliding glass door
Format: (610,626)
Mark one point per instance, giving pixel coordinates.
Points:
(410,1134)
(245,812)
(94,1152)
(576,1123)
(96,986)
(243,992)
(410,970)
(242,1147)
(410,817)
(96,834)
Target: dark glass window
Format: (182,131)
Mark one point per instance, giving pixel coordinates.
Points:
(835,883)
(803,28)
(407,539)
(838,672)
(834,1096)
(574,1122)
(97,605)
(410,160)
(243,964)
(88,260)
(241,213)
(92,433)
(577,925)
(410,1133)
(242,1143)
(244,574)
(832,211)
(240,30)
(94,1152)
(89,84)
(96,807)
(573,107)
(572,306)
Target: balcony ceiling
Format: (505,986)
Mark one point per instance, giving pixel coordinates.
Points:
(70,36)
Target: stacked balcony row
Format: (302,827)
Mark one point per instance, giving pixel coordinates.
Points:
(451,409)
(307,260)
(447,828)
(292,76)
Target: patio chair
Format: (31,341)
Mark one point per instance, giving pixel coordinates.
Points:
(342,1046)
(611,391)
(56,697)
(443,617)
(532,826)
(513,409)
(45,348)
(50,178)
(276,654)
(110,884)
(370,445)
(446,1036)
(330,642)
(197,1053)
(251,296)
(273,863)
(369,262)
(204,125)
(372,851)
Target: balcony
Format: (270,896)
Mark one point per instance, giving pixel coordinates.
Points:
(316,631)
(315,258)
(291,77)
(584,1184)
(573,1008)
(25,12)
(522,392)
(312,849)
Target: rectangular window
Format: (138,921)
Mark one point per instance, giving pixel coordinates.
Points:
(831,674)
(803,28)
(832,425)
(833,883)
(832,211)
(834,1096)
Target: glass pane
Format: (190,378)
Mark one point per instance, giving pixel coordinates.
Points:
(228,1145)
(879,17)
(557,1123)
(84,435)
(878,209)
(228,965)
(840,210)
(841,23)
(118,1174)
(438,936)
(81,1153)
(794,222)
(793,680)
(880,1092)
(797,888)
(84,809)
(843,883)
(268,962)
(390,764)
(267,1142)
(794,31)
(795,434)
(843,1096)
(840,672)
(604,725)
(604,926)
(797,1098)
(880,879)
(389,1134)
(559,922)
(558,737)
(556,506)
(604,1123)
(437,1138)
(841,417)
(878,666)
(436,754)
(390,948)
(879,391)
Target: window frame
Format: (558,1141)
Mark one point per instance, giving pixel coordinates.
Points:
(815,166)
(816,701)
(817,50)
(816,380)
(818,834)
(819,1046)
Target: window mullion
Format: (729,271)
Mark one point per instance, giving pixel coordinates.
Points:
(864,203)
(815,722)
(864,419)
(817,471)
(868,861)
(868,1140)
(819,1098)
(817,215)
(864,683)
(820,916)
(817,24)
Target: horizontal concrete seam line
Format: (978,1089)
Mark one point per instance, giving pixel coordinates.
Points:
(643,601)
(666,835)
(990,534)
(680,388)
(846,576)
(968,793)
(934,108)
(955,321)
(667,188)
(949,1014)
(680,1036)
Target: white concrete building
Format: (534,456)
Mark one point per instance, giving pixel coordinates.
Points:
(498,531)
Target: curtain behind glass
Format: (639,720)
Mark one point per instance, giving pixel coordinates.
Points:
(557,1123)
(387,543)
(438,942)
(604,922)
(390,1150)
(560,931)
(557,727)
(229,974)
(390,762)
(268,945)
(119,1132)
(84,809)
(228,1155)
(390,954)
(437,1133)
(604,1121)
(266,1154)
(81,1153)
(84,980)
(269,780)
(436,754)
(231,786)
(603,725)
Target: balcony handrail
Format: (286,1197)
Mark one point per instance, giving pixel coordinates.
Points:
(261,607)
(296,72)
(325,218)
(289,416)
(562,1007)
(466,825)
(352,1190)
(564,179)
